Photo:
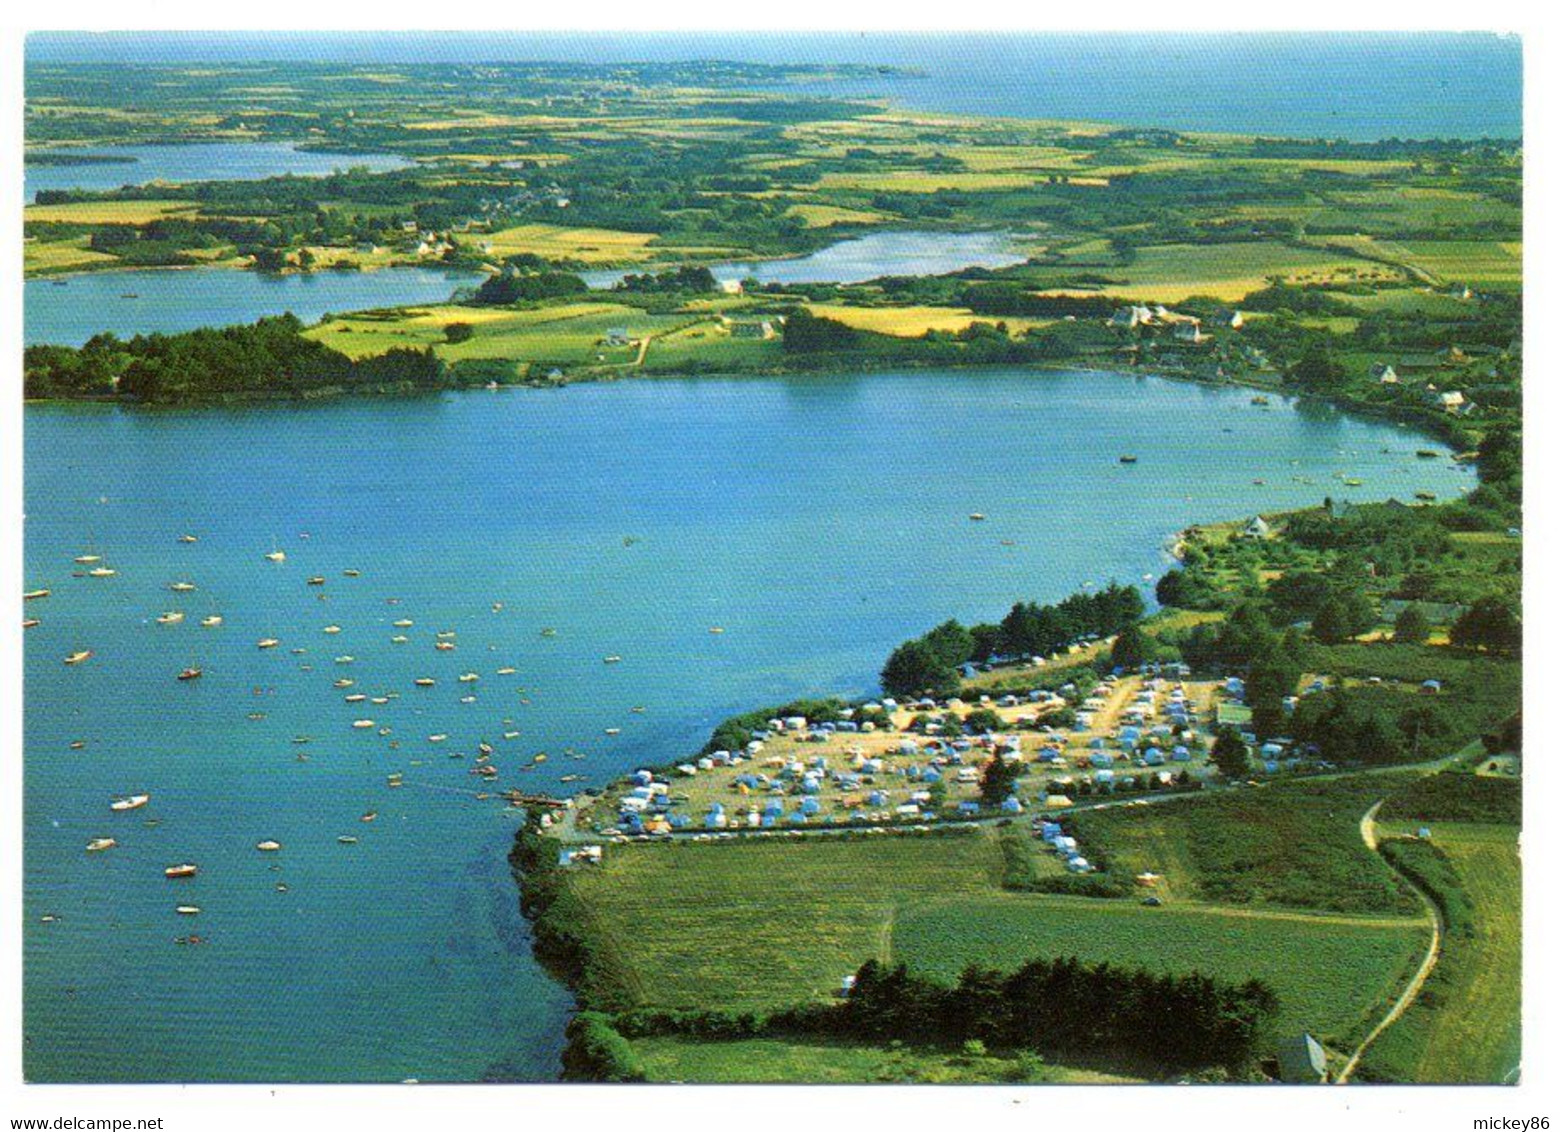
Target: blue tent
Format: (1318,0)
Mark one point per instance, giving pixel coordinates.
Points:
(1012,805)
(969,807)
(877,798)
(798,818)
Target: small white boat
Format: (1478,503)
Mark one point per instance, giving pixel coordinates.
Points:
(379,699)
(614,731)
(129,802)
(370,816)
(190,674)
(317,580)
(181,872)
(345,659)
(187,538)
(276,556)
(350,573)
(211,622)
(172,617)
(181,587)
(506,671)
(100,572)
(346,841)
(398,640)
(511,735)
(403,623)
(716,629)
(98,844)
(78,656)
(187,910)
(267,643)
(468,699)
(355,698)
(469,677)
(332,628)
(444,646)
(439,738)
(362,724)
(614,659)
(423,681)
(269,846)
(34,595)
(447,635)
(88,559)
(30,623)
(343,683)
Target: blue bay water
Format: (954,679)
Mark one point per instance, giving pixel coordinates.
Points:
(68,311)
(864,258)
(819,521)
(180,164)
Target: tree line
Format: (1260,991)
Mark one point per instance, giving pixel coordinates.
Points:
(269,358)
(929,664)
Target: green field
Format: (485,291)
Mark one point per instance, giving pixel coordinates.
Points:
(759,925)
(1172,272)
(1293,845)
(1465,1027)
(1330,973)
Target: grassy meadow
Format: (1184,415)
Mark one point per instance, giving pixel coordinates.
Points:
(759,925)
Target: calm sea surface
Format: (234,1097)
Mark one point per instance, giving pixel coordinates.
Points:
(866,257)
(818,521)
(220,161)
(1356,85)
(68,311)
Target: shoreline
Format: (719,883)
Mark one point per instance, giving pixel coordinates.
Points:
(534,856)
(1430,425)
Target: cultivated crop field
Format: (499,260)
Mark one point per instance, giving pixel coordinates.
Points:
(107,211)
(1331,973)
(762,924)
(1466,1026)
(752,925)
(587,245)
(1172,272)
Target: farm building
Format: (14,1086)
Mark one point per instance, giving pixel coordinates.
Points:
(762,330)
(1301,1061)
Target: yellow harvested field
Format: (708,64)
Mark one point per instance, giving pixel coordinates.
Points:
(60,255)
(1173,272)
(107,211)
(901,322)
(918,181)
(589,245)
(828,215)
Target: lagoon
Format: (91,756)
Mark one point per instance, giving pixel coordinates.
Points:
(818,520)
(67,311)
(208,161)
(861,258)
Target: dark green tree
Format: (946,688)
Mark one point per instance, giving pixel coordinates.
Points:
(1412,627)
(1230,754)
(915,668)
